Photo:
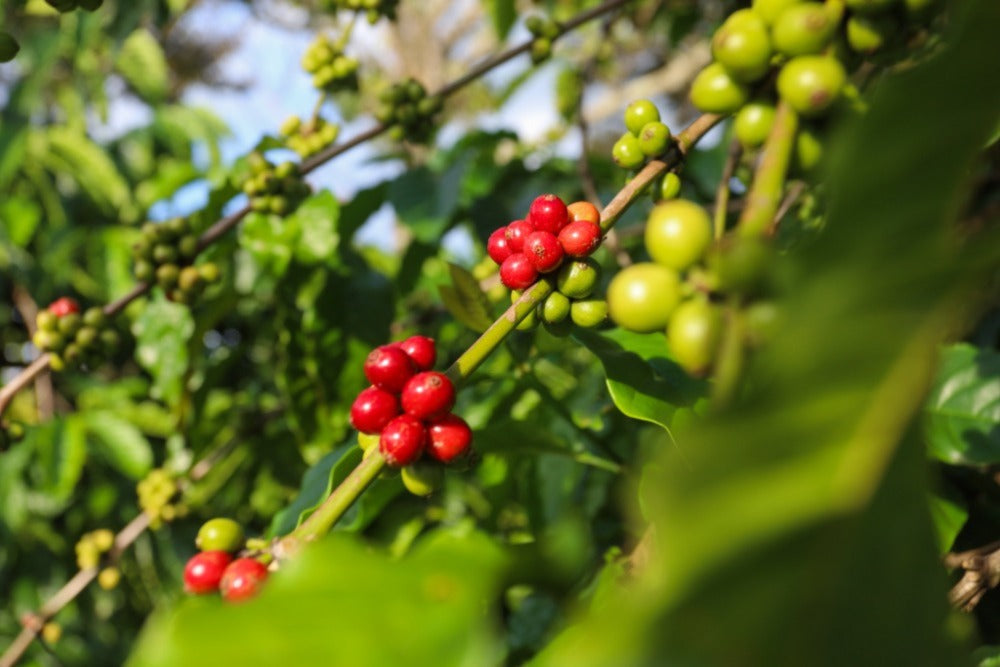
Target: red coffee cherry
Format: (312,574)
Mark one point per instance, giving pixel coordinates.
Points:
(448,438)
(517,272)
(421,350)
(516,233)
(543,251)
(63,306)
(203,571)
(548,214)
(403,441)
(389,368)
(497,247)
(580,238)
(373,409)
(583,210)
(242,579)
(428,395)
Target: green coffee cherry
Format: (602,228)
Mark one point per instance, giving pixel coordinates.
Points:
(46,320)
(220,534)
(640,113)
(868,34)
(742,46)
(761,322)
(627,152)
(804,29)
(422,478)
(69,324)
(670,186)
(654,139)
(810,84)
(368,441)
(677,234)
(808,149)
(714,90)
(693,335)
(555,308)
(578,278)
(589,313)
(770,10)
(642,296)
(95,317)
(753,123)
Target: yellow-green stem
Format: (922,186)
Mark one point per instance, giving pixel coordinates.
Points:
(769,180)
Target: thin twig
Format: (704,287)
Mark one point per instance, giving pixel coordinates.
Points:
(795,190)
(723,191)
(44,401)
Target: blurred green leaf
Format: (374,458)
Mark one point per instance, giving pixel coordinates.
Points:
(465,300)
(120,443)
(270,240)
(949,514)
(963,409)
(142,63)
(73,153)
(338,603)
(502,13)
(424,202)
(316,485)
(162,331)
(316,219)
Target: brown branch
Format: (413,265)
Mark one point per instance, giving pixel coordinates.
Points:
(795,191)
(982,572)
(44,402)
(723,191)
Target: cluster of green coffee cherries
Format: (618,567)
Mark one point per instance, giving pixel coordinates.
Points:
(277,189)
(646,137)
(408,111)
(331,69)
(71,338)
(156,492)
(163,254)
(572,300)
(69,5)
(810,43)
(92,551)
(545,31)
(373,9)
(310,137)
(676,291)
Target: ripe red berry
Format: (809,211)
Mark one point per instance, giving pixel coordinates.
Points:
(427,395)
(242,579)
(548,214)
(516,233)
(448,438)
(543,251)
(497,246)
(389,367)
(204,571)
(373,409)
(402,441)
(517,272)
(63,306)
(421,350)
(583,210)
(580,238)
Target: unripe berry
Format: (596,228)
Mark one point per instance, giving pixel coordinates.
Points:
(422,478)
(373,409)
(654,139)
(588,313)
(204,570)
(578,278)
(714,90)
(678,233)
(693,335)
(517,272)
(642,296)
(627,153)
(448,438)
(753,123)
(555,308)
(804,29)
(220,534)
(421,350)
(547,214)
(638,114)
(583,210)
(670,186)
(403,440)
(770,10)
(242,579)
(388,367)
(810,84)
(742,46)
(544,251)
(428,395)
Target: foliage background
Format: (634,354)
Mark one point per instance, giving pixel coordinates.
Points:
(793,528)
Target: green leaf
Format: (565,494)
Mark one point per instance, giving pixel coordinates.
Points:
(349,604)
(270,240)
(465,300)
(963,409)
(316,221)
(60,448)
(643,382)
(162,331)
(361,207)
(316,485)
(803,506)
(120,443)
(73,153)
(949,514)
(423,204)
(502,13)
(142,63)
(20,218)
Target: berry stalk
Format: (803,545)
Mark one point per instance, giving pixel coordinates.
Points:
(769,180)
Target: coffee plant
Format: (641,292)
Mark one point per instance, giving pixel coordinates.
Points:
(705,372)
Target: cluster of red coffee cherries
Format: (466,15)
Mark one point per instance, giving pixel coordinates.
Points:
(214,568)
(538,243)
(409,405)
